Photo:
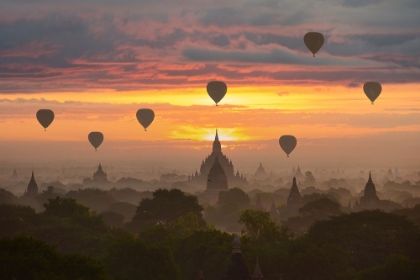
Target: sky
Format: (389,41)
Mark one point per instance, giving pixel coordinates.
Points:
(96,62)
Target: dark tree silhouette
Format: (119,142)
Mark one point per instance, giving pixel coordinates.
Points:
(165,207)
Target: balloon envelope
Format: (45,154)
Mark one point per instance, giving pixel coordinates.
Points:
(372,90)
(314,41)
(45,117)
(145,117)
(96,139)
(288,143)
(217,90)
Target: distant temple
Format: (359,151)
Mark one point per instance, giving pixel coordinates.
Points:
(294,203)
(217,179)
(237,268)
(100,175)
(259,205)
(14,176)
(298,173)
(294,195)
(32,189)
(274,215)
(257,273)
(369,200)
(226,164)
(260,173)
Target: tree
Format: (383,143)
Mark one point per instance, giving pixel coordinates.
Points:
(113,219)
(370,236)
(309,178)
(165,207)
(132,258)
(28,258)
(412,214)
(322,206)
(65,208)
(7,197)
(208,250)
(259,227)
(95,199)
(236,196)
(395,267)
(15,219)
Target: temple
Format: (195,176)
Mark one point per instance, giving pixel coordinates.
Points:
(201,178)
(294,195)
(299,173)
(260,173)
(14,176)
(259,205)
(294,202)
(32,189)
(100,175)
(217,179)
(369,200)
(257,273)
(237,268)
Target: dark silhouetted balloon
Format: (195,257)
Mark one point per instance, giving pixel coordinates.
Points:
(288,143)
(45,117)
(217,90)
(145,117)
(313,41)
(372,90)
(96,139)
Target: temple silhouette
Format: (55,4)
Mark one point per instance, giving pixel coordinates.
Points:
(294,202)
(370,199)
(99,176)
(201,178)
(32,190)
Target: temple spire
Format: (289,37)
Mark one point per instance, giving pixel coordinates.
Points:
(236,245)
(217,147)
(294,195)
(370,177)
(257,274)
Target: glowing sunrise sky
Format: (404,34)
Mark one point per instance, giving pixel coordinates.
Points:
(96,62)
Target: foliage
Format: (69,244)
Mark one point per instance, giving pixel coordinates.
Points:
(370,236)
(140,260)
(259,227)
(234,196)
(113,219)
(165,207)
(95,199)
(322,206)
(28,258)
(208,250)
(412,214)
(7,197)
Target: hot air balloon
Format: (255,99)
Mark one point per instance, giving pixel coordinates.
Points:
(45,117)
(217,90)
(145,117)
(372,90)
(313,41)
(96,139)
(288,143)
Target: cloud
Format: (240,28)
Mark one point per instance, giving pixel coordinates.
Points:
(353,85)
(275,55)
(283,93)
(360,3)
